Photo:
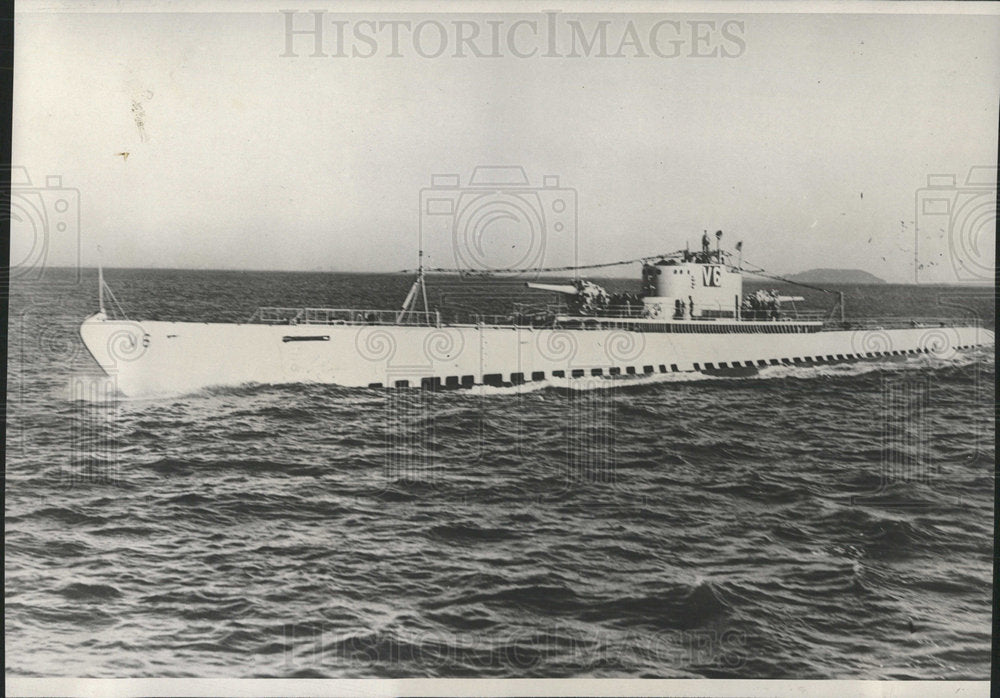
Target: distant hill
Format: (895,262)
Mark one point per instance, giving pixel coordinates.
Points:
(835,276)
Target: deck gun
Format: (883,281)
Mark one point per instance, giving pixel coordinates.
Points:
(584,297)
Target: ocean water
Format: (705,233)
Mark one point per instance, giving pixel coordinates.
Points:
(823,522)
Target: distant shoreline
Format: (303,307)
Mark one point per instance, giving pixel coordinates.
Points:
(835,276)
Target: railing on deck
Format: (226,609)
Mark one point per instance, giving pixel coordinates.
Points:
(785,315)
(545,316)
(343,316)
(895,323)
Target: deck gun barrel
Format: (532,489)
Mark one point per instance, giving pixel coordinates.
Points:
(568,289)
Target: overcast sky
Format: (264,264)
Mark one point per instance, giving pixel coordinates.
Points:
(807,136)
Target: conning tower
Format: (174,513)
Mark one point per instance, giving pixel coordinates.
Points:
(695,285)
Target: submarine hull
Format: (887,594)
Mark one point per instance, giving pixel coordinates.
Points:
(155,357)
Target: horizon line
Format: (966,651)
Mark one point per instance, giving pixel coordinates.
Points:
(498,277)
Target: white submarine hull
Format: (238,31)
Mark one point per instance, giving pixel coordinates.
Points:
(154,357)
